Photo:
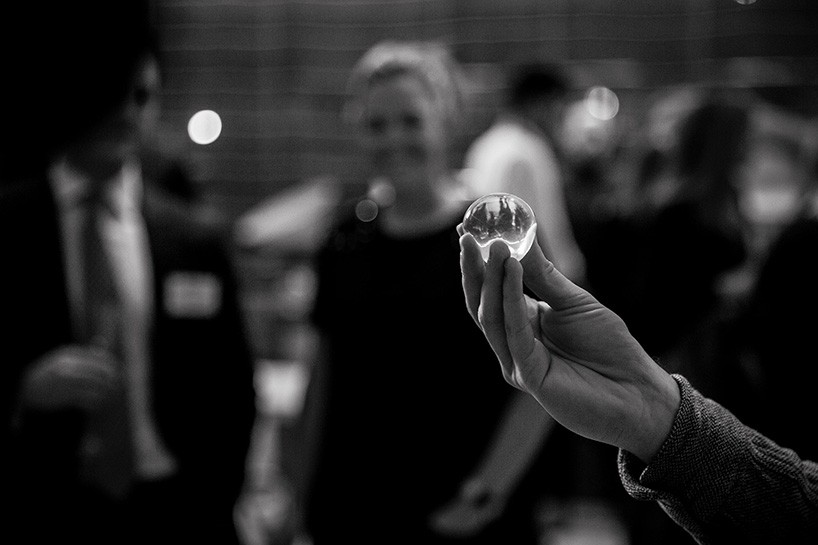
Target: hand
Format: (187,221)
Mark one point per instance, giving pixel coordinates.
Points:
(265,516)
(71,376)
(574,355)
(467,514)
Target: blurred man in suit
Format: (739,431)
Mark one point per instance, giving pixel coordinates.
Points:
(127,378)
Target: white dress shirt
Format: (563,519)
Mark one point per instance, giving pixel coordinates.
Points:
(514,156)
(126,243)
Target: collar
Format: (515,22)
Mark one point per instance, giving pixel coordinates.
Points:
(121,193)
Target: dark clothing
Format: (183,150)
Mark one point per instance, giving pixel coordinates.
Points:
(398,438)
(171,171)
(781,329)
(667,287)
(724,482)
(202,386)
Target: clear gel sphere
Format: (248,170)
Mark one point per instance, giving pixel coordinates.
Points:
(501,216)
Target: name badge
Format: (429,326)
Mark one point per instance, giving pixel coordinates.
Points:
(191,294)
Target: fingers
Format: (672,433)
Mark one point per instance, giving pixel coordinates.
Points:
(519,335)
(71,377)
(82,367)
(548,283)
(96,365)
(490,312)
(483,285)
(472,268)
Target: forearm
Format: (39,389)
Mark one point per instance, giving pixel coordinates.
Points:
(514,446)
(720,479)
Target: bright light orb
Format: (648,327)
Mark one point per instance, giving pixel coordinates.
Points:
(204,127)
(501,216)
(602,103)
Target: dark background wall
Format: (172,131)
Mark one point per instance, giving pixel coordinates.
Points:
(275,69)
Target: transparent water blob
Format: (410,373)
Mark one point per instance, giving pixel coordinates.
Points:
(501,216)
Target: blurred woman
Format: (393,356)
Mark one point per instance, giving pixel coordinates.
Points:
(402,458)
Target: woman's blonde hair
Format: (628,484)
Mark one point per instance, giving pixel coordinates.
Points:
(430,62)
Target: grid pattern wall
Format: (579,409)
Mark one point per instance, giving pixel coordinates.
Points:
(275,69)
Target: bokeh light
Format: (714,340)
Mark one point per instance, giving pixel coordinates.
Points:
(584,135)
(366,210)
(602,103)
(204,127)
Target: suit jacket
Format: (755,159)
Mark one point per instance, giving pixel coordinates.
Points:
(201,374)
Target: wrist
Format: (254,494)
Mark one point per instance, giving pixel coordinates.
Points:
(475,491)
(659,412)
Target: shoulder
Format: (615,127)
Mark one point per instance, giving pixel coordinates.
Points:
(501,134)
(24,191)
(28,205)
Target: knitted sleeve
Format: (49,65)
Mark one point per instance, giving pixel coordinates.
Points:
(723,482)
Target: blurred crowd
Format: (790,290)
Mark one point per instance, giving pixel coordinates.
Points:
(694,216)
(684,216)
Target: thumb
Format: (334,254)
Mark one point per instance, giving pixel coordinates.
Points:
(549,284)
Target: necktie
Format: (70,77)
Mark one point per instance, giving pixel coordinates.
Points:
(107,451)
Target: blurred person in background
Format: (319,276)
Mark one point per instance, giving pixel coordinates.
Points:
(780,321)
(642,172)
(687,203)
(695,212)
(399,458)
(128,393)
(524,152)
(163,161)
(520,153)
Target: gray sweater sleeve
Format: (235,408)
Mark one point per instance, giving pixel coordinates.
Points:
(724,482)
